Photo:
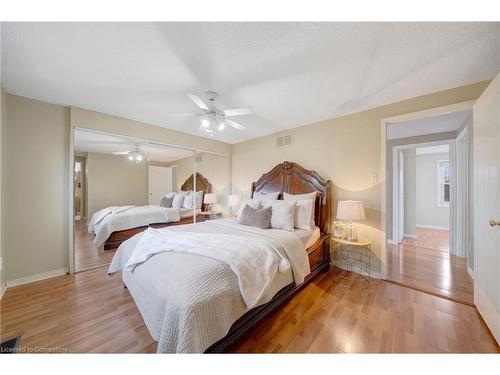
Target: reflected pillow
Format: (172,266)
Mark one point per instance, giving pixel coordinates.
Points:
(260,218)
(178,200)
(167,201)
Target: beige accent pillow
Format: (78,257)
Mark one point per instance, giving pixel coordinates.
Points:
(283,214)
(296,197)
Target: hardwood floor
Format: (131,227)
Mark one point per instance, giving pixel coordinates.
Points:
(92,312)
(428,269)
(86,254)
(430,238)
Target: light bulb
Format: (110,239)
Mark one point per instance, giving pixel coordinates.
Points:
(205,123)
(221,126)
(138,158)
(130,157)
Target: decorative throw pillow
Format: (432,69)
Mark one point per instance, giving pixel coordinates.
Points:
(178,200)
(188,200)
(303,212)
(254,203)
(167,201)
(296,197)
(283,214)
(274,196)
(198,198)
(260,218)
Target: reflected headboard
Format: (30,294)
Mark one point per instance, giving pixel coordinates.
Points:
(293,179)
(202,184)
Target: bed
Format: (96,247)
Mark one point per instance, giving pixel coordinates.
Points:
(135,220)
(193,303)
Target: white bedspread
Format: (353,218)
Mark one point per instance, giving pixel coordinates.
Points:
(112,219)
(190,300)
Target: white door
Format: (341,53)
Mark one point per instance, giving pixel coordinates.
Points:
(160,183)
(401,191)
(486,161)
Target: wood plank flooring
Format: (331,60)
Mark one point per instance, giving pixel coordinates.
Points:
(92,312)
(86,254)
(428,269)
(436,239)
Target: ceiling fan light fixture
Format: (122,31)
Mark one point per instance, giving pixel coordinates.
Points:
(205,123)
(138,157)
(221,126)
(130,157)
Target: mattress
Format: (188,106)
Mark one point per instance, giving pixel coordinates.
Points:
(308,237)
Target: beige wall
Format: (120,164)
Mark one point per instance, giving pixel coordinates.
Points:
(428,213)
(215,168)
(345,149)
(35,205)
(113,180)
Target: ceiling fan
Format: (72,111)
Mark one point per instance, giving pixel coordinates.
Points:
(135,155)
(214,119)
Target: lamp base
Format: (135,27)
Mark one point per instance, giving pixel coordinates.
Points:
(351,233)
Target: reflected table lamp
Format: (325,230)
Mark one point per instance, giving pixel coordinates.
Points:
(211,200)
(349,211)
(234,201)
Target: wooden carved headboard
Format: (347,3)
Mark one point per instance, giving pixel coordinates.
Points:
(293,179)
(202,184)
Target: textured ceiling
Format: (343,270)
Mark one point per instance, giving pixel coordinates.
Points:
(290,74)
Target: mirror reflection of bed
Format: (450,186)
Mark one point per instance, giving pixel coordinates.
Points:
(120,187)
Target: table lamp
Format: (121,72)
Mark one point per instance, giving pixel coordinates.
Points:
(234,200)
(350,210)
(210,199)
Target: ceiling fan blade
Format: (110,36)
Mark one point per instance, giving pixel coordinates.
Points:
(196,99)
(237,112)
(234,124)
(121,153)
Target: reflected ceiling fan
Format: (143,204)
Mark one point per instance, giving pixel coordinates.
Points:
(135,155)
(213,118)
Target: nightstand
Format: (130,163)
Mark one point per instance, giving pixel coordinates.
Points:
(353,255)
(208,215)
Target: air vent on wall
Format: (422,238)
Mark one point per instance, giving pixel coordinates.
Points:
(285,140)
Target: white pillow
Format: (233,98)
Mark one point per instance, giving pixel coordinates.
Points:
(303,212)
(178,200)
(274,196)
(198,198)
(283,214)
(188,200)
(254,203)
(296,197)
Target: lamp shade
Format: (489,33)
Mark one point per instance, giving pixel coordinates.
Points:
(350,210)
(234,200)
(210,198)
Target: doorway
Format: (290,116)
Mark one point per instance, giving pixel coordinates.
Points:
(428,244)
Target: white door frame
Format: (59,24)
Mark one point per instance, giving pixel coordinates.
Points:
(463,106)
(463,195)
(397,210)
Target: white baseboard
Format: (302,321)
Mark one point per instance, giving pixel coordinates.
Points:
(410,235)
(470,272)
(374,274)
(487,312)
(432,227)
(391,241)
(36,277)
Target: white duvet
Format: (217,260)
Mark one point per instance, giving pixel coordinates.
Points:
(191,293)
(112,219)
